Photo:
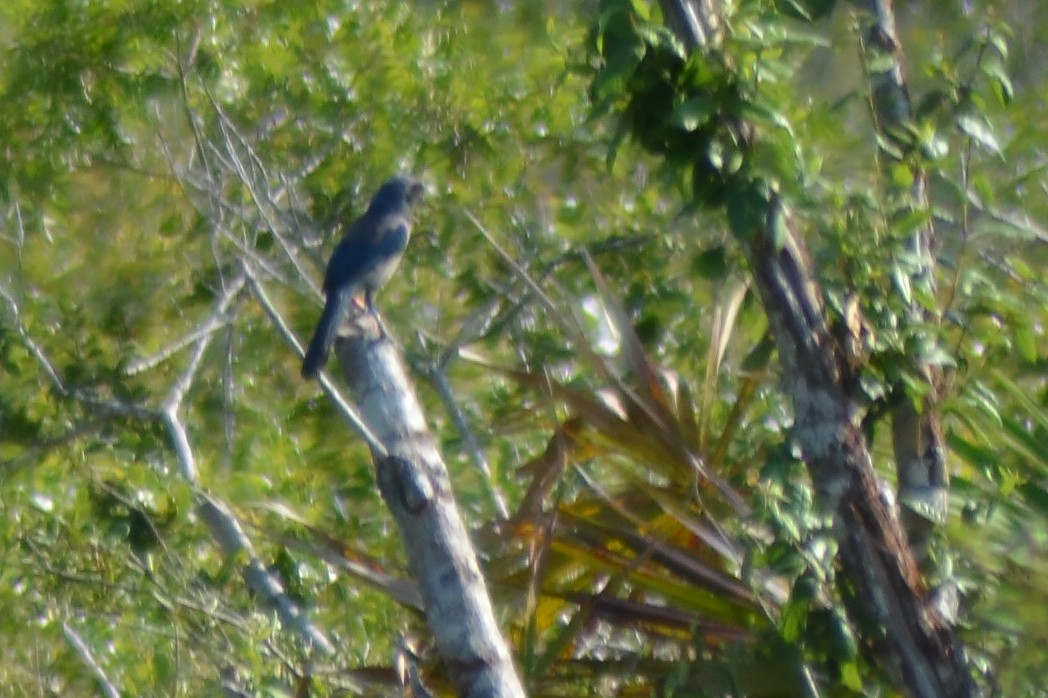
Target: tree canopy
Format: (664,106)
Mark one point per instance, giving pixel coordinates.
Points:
(581,311)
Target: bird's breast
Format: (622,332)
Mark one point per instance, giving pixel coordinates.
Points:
(381,272)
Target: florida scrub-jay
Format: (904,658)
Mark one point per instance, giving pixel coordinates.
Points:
(364,259)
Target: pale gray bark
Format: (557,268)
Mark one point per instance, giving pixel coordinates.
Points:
(414,483)
(917,645)
(917,439)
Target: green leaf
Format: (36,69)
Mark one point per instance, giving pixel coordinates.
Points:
(1033,409)
(758,357)
(762,113)
(793,620)
(694,113)
(910,221)
(901,174)
(747,208)
(889,146)
(1006,229)
(933,354)
(1035,496)
(843,644)
(880,63)
(780,230)
(621,64)
(641,10)
(999,82)
(711,263)
(998,42)
(984,400)
(793,8)
(976,455)
(1028,446)
(933,146)
(1026,341)
(932,102)
(979,130)
(851,678)
(902,284)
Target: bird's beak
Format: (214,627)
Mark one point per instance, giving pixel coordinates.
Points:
(415,192)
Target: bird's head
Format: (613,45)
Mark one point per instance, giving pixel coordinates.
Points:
(399,193)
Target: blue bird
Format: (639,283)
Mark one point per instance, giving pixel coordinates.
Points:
(364,260)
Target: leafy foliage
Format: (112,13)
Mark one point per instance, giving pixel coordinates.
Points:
(172,174)
(722,119)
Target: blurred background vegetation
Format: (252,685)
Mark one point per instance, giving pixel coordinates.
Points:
(151,152)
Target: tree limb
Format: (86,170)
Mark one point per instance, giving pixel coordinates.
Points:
(917,437)
(414,483)
(921,650)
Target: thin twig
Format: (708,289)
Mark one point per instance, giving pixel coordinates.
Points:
(345,409)
(84,652)
(181,386)
(230,537)
(212,323)
(469,441)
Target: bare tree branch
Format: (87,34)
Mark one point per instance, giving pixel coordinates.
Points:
(345,409)
(414,483)
(84,652)
(230,537)
(458,417)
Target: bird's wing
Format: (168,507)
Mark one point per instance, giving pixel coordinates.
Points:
(347,265)
(393,239)
(367,246)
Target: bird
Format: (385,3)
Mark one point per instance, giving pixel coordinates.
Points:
(365,259)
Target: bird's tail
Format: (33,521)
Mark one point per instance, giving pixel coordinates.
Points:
(324,336)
